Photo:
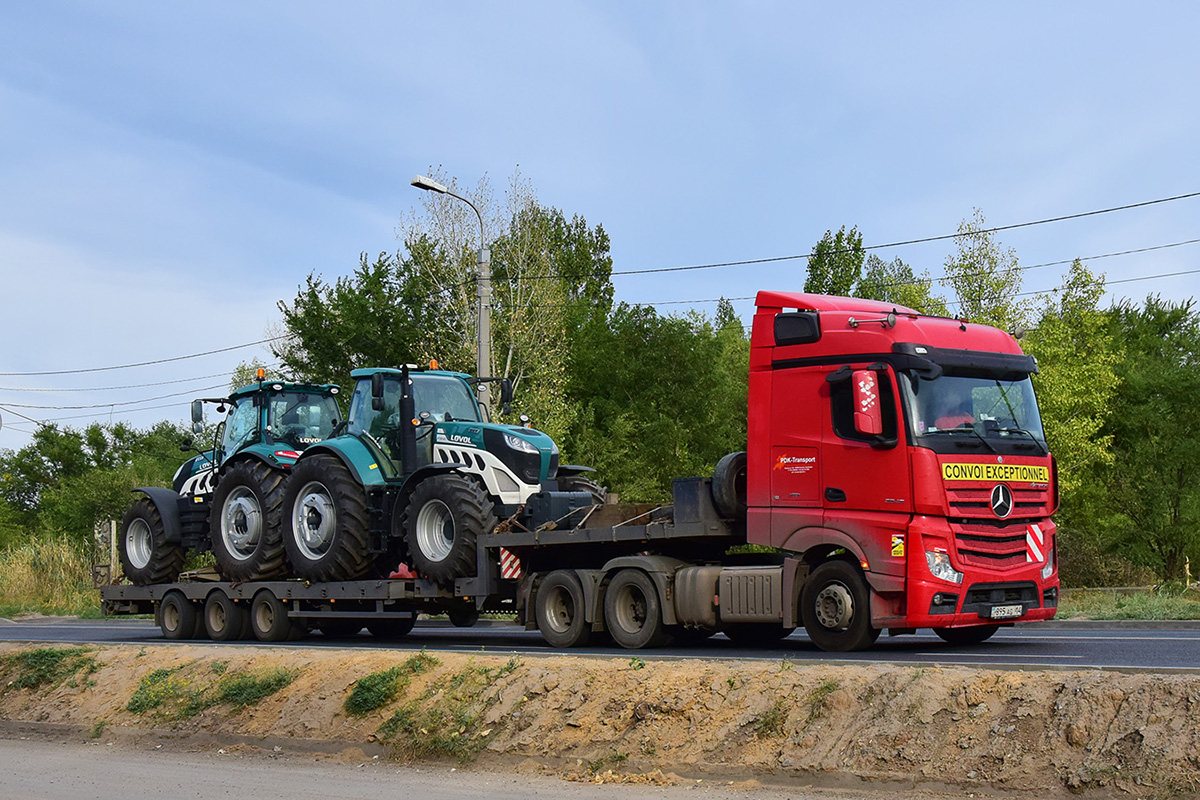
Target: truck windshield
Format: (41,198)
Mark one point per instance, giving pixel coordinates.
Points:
(991,411)
(302,419)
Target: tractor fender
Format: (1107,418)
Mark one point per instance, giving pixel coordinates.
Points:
(167,503)
(571,470)
(354,454)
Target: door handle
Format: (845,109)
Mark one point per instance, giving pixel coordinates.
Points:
(835,495)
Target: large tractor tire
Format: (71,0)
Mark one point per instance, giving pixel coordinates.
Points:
(835,608)
(729,486)
(446,515)
(581,483)
(245,529)
(325,521)
(146,555)
(559,609)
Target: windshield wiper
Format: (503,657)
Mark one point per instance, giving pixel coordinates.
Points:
(1033,438)
(963,429)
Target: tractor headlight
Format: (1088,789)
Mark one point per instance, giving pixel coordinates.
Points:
(519,444)
(1048,570)
(940,567)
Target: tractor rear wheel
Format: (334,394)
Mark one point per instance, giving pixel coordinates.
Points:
(245,525)
(146,555)
(581,483)
(325,521)
(446,515)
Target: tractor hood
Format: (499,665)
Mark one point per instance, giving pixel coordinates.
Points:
(529,453)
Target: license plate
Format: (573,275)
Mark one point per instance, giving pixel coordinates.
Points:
(1007,612)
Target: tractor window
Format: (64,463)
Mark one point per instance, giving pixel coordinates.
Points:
(445,398)
(241,426)
(302,419)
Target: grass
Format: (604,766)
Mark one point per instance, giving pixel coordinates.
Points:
(770,724)
(1165,604)
(246,689)
(31,669)
(47,575)
(380,688)
(182,692)
(818,698)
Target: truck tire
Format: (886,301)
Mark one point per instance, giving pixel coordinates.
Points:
(146,555)
(757,633)
(245,524)
(325,521)
(558,608)
(334,628)
(269,620)
(391,627)
(729,486)
(970,635)
(835,608)
(446,515)
(463,615)
(225,620)
(177,617)
(632,612)
(580,483)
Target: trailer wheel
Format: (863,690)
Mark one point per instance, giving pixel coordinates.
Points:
(729,486)
(177,618)
(325,521)
(463,615)
(971,635)
(446,515)
(146,555)
(391,627)
(269,619)
(245,525)
(580,483)
(835,608)
(757,633)
(334,628)
(559,610)
(632,612)
(225,620)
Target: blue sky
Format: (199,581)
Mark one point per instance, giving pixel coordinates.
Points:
(168,172)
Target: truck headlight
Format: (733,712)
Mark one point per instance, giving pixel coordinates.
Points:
(940,567)
(1048,570)
(519,444)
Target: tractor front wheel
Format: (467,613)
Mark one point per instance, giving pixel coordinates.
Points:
(446,515)
(146,555)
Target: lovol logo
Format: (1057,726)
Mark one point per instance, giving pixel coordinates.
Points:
(1002,501)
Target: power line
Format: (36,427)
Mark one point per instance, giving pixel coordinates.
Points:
(114,405)
(114,388)
(145,363)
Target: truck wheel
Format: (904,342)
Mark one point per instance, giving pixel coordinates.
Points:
(579,483)
(757,633)
(269,619)
(729,486)
(245,525)
(391,627)
(325,521)
(835,608)
(225,620)
(559,610)
(446,515)
(146,555)
(177,618)
(334,628)
(970,635)
(632,612)
(464,615)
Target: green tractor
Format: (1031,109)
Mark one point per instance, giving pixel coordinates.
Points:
(418,475)
(227,498)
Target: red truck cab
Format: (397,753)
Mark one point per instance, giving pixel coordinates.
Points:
(911,445)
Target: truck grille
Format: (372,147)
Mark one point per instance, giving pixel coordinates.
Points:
(977,502)
(992,547)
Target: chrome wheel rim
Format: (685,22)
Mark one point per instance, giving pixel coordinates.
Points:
(241,523)
(435,530)
(314,521)
(139,543)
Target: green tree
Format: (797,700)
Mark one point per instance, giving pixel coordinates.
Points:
(836,263)
(895,282)
(1154,485)
(986,277)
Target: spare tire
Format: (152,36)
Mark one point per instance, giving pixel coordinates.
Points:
(729,486)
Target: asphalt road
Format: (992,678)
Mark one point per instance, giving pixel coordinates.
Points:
(1152,646)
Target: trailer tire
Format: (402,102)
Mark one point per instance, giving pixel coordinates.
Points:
(269,619)
(334,628)
(729,486)
(757,633)
(177,617)
(245,524)
(558,607)
(632,611)
(463,615)
(325,521)
(446,515)
(579,483)
(391,627)
(835,608)
(966,636)
(225,620)
(146,555)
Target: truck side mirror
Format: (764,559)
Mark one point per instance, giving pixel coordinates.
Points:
(868,415)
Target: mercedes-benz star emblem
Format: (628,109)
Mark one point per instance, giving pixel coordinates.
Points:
(1002,500)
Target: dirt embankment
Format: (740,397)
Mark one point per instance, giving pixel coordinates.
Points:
(624,718)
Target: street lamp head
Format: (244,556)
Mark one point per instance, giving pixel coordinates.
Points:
(429,185)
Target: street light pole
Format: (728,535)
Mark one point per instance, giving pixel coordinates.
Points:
(483,291)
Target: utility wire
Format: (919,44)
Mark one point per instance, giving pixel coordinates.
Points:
(113,405)
(114,388)
(145,363)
